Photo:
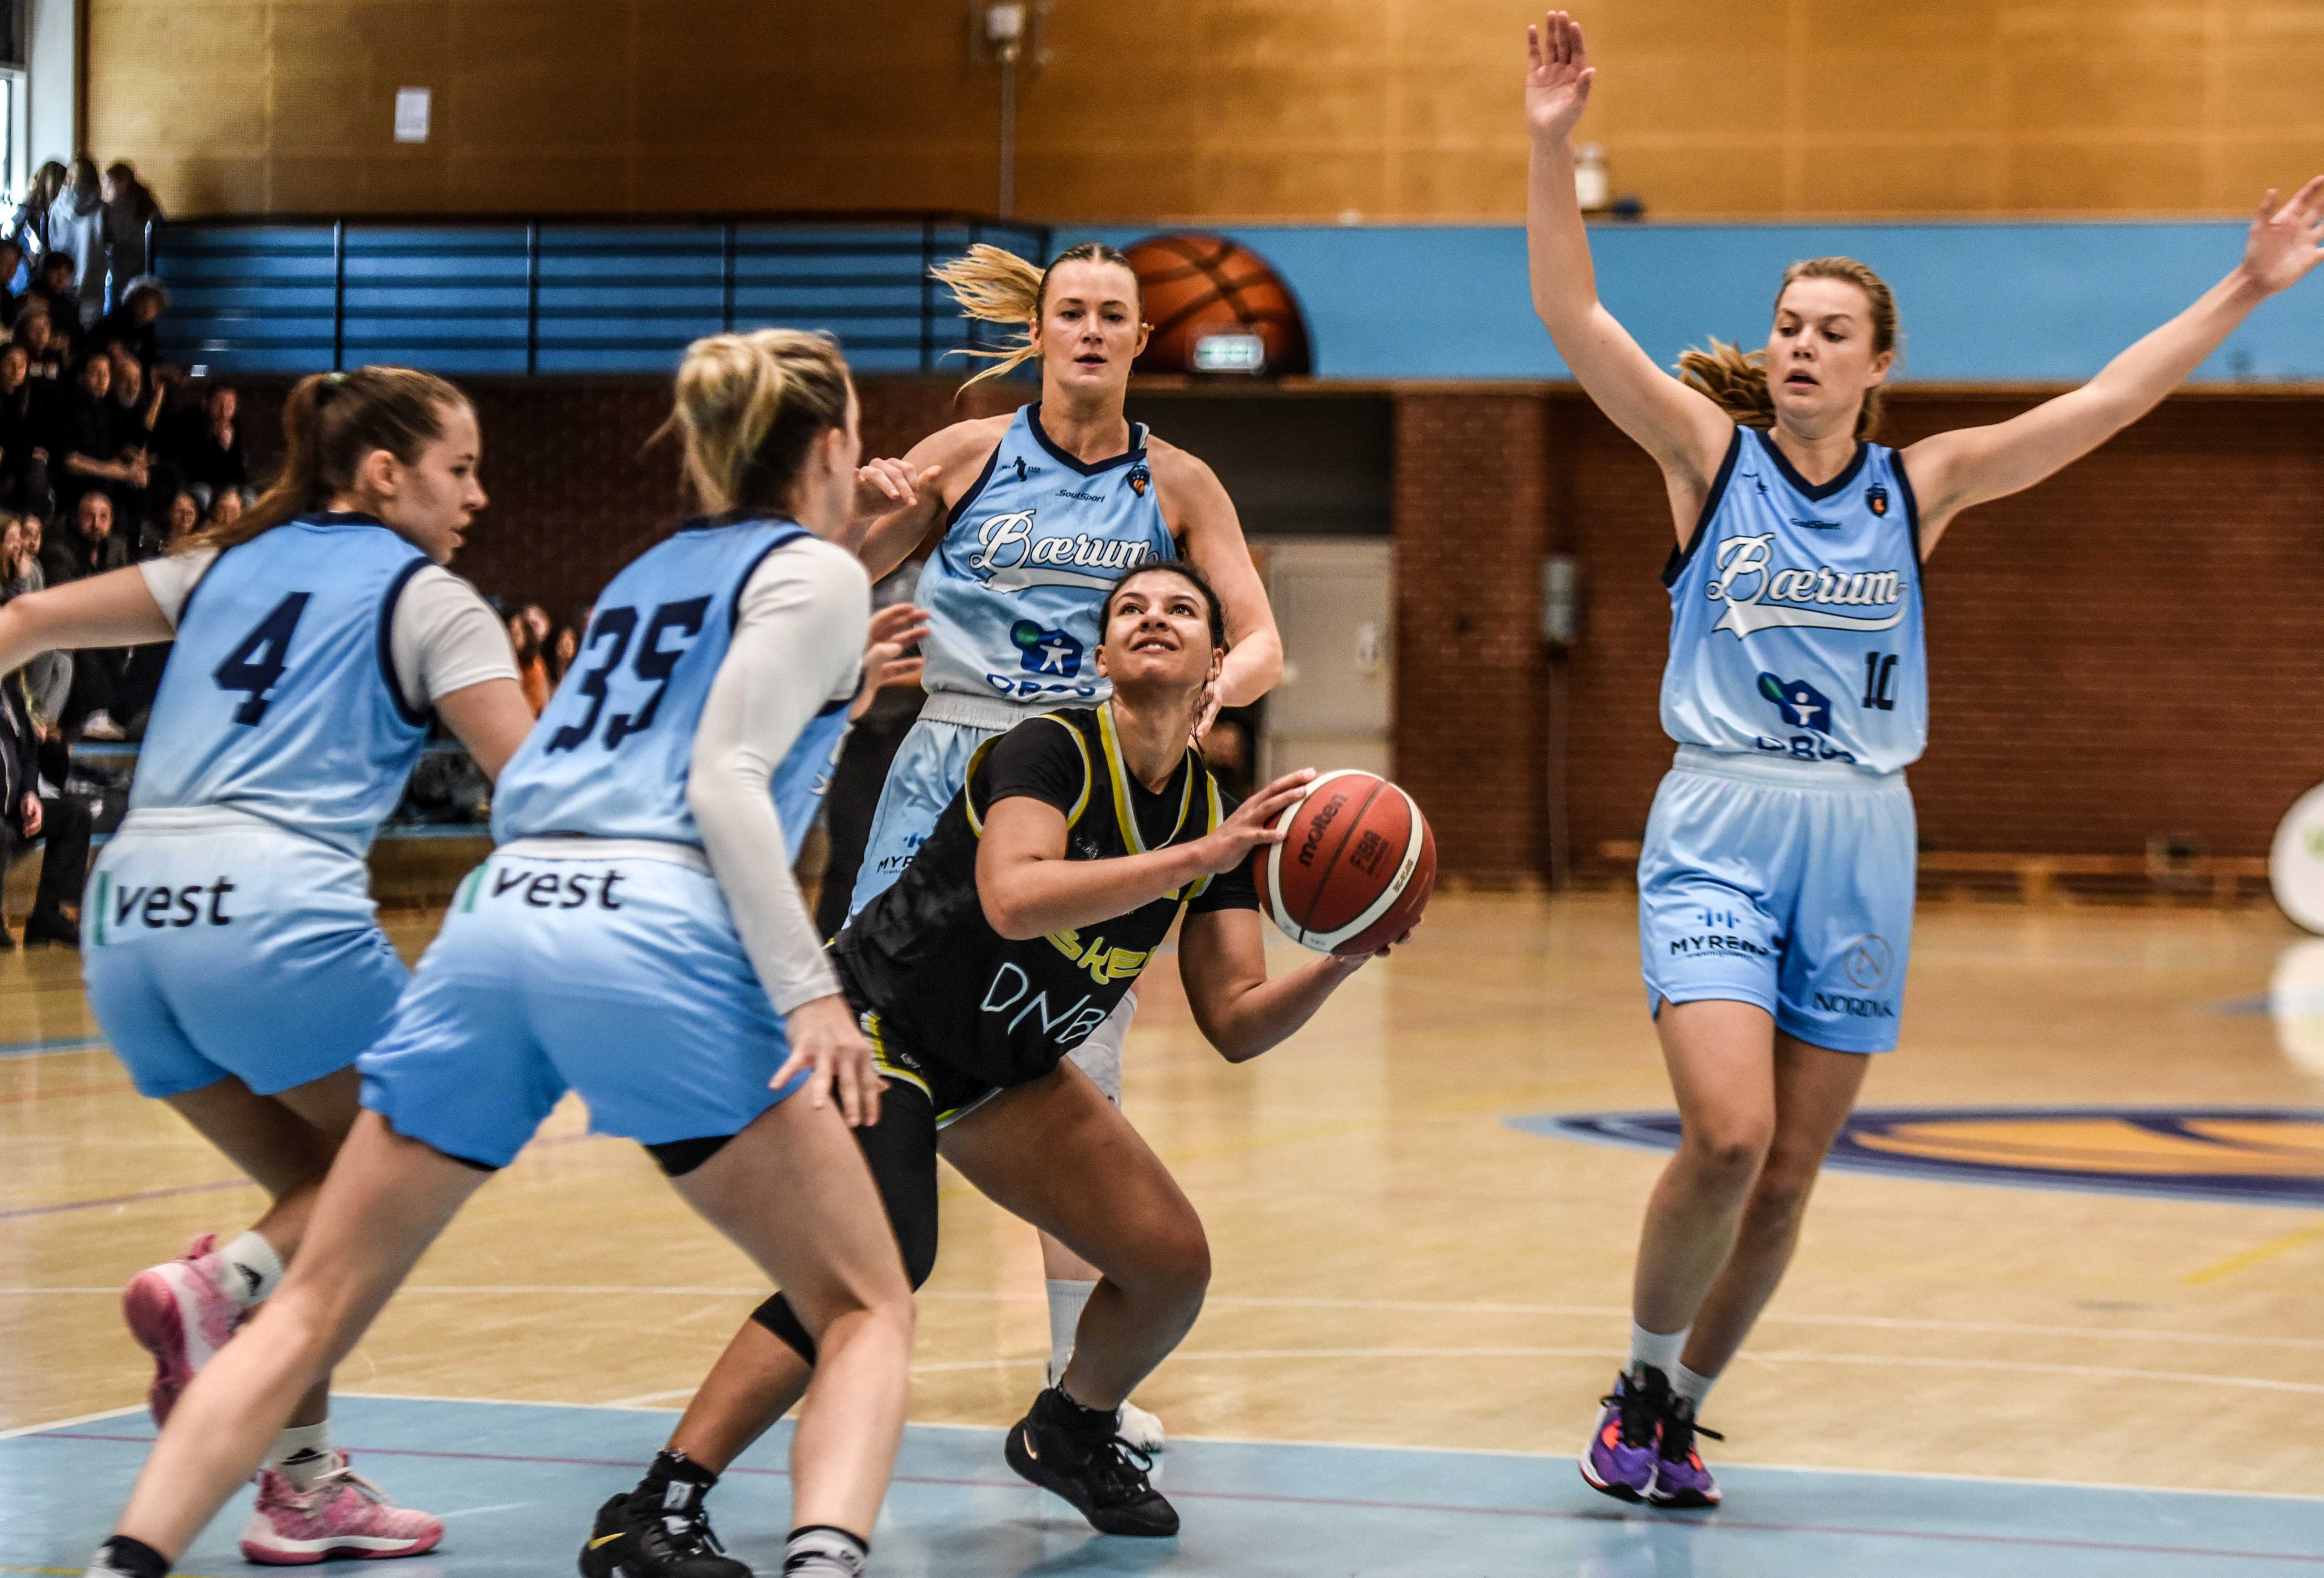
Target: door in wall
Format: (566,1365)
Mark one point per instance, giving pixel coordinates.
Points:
(1334,602)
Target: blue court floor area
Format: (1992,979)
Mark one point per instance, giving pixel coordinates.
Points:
(517,1485)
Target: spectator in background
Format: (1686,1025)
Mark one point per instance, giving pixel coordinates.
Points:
(26,814)
(11,263)
(136,413)
(532,666)
(30,229)
(49,675)
(91,548)
(181,520)
(129,206)
(567,644)
(34,332)
(25,422)
(77,230)
(130,325)
(96,453)
(52,286)
(226,509)
(208,445)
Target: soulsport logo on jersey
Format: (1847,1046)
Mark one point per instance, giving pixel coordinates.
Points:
(1010,557)
(1760,596)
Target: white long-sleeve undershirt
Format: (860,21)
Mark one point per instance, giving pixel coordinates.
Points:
(798,649)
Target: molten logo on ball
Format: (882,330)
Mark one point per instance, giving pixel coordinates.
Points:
(1355,867)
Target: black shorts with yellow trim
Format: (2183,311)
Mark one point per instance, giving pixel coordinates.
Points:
(954,1094)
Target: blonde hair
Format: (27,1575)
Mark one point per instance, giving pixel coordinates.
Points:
(748,408)
(330,421)
(1737,379)
(995,286)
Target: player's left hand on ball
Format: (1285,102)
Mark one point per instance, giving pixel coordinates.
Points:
(828,1047)
(1383,951)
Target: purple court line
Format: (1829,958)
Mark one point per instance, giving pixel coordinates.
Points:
(1713,1522)
(126,1199)
(207,1189)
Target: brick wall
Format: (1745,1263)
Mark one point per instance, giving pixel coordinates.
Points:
(2132,649)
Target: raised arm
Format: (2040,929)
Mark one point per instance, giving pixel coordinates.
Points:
(1951,472)
(897,502)
(1211,532)
(1686,432)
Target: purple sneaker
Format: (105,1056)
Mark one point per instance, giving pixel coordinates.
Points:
(1680,1478)
(1619,1459)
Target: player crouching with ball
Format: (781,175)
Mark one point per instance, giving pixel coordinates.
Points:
(1047,885)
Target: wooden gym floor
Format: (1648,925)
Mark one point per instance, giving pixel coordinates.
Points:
(2094,1264)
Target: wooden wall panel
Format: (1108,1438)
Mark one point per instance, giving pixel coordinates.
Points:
(1211,109)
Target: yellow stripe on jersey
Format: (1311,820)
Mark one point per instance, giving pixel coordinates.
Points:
(1120,774)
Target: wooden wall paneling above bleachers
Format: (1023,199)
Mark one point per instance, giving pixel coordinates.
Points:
(1253,109)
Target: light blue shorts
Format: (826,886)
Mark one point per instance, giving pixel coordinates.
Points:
(214,943)
(611,968)
(930,766)
(1787,884)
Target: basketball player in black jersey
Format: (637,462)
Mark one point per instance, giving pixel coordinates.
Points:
(1080,837)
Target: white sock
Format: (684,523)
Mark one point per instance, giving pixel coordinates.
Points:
(821,1551)
(1659,1348)
(302,1454)
(1066,1302)
(1693,1388)
(257,1269)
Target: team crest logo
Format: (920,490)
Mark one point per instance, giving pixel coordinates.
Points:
(1140,479)
(1046,651)
(1876,498)
(1803,706)
(1868,961)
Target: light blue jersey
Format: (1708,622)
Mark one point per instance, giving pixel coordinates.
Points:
(279,698)
(1012,592)
(610,756)
(1795,614)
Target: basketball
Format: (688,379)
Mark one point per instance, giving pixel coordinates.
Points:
(1197,285)
(1355,867)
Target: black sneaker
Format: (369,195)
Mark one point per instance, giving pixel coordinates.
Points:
(647,1533)
(1073,1452)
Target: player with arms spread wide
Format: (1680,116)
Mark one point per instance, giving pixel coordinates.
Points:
(1776,884)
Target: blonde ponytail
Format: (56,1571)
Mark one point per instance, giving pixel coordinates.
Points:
(1737,379)
(996,286)
(330,421)
(748,407)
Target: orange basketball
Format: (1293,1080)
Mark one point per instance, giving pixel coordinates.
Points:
(1355,867)
(1196,285)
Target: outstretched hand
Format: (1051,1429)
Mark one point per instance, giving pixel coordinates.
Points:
(887,657)
(1558,75)
(2286,240)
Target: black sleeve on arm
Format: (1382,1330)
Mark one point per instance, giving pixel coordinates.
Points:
(1237,889)
(1038,759)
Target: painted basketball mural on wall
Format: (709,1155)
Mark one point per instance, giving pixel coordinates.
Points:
(1217,307)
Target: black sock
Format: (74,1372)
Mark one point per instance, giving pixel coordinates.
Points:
(675,1468)
(132,1557)
(821,1551)
(1055,1407)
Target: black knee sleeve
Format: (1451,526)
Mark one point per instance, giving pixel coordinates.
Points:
(677,1157)
(901,1148)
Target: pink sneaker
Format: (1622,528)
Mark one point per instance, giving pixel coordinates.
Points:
(345,1515)
(182,1314)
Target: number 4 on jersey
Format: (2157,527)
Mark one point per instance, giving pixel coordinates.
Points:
(257,663)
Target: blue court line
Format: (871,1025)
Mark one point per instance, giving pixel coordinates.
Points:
(523,1479)
(41,1048)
